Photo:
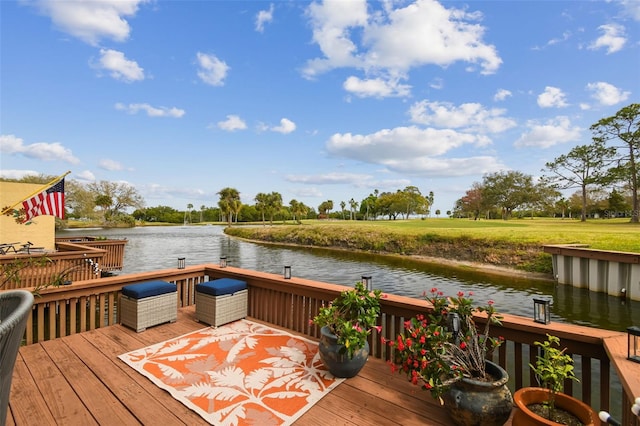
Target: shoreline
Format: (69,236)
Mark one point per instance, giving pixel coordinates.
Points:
(459,264)
(486,268)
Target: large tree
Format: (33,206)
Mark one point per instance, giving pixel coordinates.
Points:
(507,190)
(583,166)
(79,200)
(623,131)
(472,201)
(414,200)
(115,198)
(229,203)
(368,207)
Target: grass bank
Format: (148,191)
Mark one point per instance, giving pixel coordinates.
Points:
(516,244)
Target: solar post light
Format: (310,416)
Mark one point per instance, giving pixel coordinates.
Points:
(633,343)
(368,282)
(541,311)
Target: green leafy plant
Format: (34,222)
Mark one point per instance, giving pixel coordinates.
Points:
(553,367)
(351,317)
(441,347)
(11,272)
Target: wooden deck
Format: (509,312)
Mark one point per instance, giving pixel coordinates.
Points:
(78,380)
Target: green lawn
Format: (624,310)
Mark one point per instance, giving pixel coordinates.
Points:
(603,234)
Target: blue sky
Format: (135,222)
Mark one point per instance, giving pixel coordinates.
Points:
(315,100)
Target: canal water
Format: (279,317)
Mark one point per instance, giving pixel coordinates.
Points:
(151,248)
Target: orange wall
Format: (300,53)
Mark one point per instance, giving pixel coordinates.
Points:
(41,231)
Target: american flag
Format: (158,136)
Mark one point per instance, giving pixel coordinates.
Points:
(48,202)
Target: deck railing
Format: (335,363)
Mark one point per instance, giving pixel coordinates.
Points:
(113,259)
(291,303)
(44,269)
(80,260)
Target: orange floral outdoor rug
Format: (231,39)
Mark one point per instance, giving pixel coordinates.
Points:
(243,373)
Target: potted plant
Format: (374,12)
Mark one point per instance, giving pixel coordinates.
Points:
(444,352)
(346,324)
(547,405)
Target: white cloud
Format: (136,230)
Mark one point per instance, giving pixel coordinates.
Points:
(232,123)
(331,22)
(308,192)
(12,145)
(391,42)
(470,117)
(607,94)
(150,110)
(437,83)
(17,174)
(110,165)
(449,167)
(263,17)
(413,150)
(502,94)
(286,126)
(85,176)
(375,87)
(545,135)
(119,67)
(612,38)
(354,179)
(552,97)
(212,70)
(632,8)
(329,178)
(565,36)
(91,21)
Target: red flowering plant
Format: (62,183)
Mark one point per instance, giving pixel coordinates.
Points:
(443,346)
(352,316)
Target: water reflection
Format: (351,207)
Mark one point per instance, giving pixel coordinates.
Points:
(152,248)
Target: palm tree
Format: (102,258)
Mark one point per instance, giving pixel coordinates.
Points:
(354,205)
(229,203)
(261,200)
(274,204)
(298,210)
(188,212)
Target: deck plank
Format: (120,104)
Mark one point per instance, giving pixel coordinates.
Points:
(146,408)
(61,398)
(79,379)
(27,405)
(98,400)
(104,340)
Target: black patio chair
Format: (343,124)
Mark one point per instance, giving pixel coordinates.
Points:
(15,306)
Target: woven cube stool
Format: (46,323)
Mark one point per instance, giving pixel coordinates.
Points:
(221,301)
(146,304)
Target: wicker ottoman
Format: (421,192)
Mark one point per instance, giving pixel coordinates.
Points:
(221,301)
(147,304)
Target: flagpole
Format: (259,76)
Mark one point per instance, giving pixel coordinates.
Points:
(48,185)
